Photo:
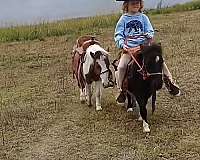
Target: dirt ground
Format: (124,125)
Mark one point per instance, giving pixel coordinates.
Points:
(42,118)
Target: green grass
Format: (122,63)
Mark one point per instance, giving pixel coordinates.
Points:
(74,27)
(194,5)
(91,25)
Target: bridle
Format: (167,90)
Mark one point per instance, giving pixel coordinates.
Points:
(142,69)
(110,83)
(104,72)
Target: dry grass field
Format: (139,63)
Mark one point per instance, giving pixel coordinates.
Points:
(41,117)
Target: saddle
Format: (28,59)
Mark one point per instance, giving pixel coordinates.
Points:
(83,43)
(78,54)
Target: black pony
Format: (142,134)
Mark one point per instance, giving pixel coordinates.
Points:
(144,79)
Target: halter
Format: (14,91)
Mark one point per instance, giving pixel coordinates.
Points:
(142,70)
(107,70)
(104,72)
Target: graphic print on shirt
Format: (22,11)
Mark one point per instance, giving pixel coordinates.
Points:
(134,25)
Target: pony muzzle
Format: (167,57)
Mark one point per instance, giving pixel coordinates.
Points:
(109,84)
(105,85)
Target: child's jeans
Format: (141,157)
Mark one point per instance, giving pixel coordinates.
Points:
(122,67)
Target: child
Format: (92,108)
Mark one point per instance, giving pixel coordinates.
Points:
(136,24)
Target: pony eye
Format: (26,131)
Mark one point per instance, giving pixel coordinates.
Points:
(157,59)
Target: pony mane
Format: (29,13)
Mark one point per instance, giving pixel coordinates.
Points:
(153,50)
(95,48)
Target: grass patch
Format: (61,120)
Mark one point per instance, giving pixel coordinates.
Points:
(90,25)
(74,27)
(194,5)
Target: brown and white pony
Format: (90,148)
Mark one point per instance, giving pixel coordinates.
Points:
(93,67)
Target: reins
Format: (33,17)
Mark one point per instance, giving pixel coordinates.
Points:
(142,69)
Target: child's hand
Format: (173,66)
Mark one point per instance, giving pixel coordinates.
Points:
(147,35)
(125,48)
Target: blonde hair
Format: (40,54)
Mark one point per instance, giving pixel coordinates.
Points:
(125,6)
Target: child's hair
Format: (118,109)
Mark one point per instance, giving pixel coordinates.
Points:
(125,6)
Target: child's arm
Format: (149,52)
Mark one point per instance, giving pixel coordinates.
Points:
(119,33)
(148,29)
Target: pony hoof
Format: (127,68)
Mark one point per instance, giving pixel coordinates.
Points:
(98,108)
(82,101)
(130,110)
(178,95)
(89,105)
(140,119)
(146,130)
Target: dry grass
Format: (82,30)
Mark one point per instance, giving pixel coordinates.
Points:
(41,117)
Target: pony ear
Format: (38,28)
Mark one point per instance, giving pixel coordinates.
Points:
(92,55)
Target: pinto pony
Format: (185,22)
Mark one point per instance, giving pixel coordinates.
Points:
(90,64)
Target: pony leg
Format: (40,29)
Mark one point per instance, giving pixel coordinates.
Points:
(140,117)
(143,112)
(146,128)
(98,95)
(130,103)
(88,94)
(142,101)
(117,79)
(82,95)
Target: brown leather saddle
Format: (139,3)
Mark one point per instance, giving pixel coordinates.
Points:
(83,43)
(78,54)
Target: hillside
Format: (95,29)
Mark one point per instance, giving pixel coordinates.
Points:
(74,27)
(42,118)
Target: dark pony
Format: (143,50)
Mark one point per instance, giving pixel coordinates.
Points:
(144,82)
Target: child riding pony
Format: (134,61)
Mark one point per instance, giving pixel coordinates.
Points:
(133,23)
